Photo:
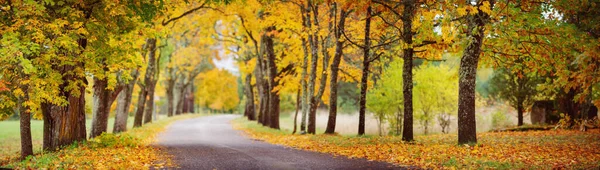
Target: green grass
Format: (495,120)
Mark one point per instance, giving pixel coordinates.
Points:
(10,139)
(129,150)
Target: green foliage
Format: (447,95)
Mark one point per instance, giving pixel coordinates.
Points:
(385,99)
(499,120)
(514,87)
(435,94)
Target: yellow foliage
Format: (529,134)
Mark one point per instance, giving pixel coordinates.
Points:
(218,90)
(556,149)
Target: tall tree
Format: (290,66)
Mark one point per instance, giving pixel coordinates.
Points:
(365,72)
(407,80)
(335,64)
(273,108)
(476,24)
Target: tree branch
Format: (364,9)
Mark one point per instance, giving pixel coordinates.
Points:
(184,14)
(352,42)
(424,43)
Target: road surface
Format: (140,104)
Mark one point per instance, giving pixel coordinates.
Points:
(211,143)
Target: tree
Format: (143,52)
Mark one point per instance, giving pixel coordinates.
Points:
(218,90)
(554,39)
(476,20)
(417,37)
(517,88)
(123,104)
(335,66)
(436,94)
(385,99)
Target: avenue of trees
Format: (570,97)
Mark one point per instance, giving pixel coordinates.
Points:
(398,54)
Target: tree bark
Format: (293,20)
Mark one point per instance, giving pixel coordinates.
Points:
(520,109)
(142,99)
(313,40)
(265,83)
(64,125)
(149,110)
(407,75)
(149,80)
(170,92)
(335,65)
(303,82)
(141,103)
(25,126)
(190,97)
(101,107)
(182,98)
(365,74)
(261,98)
(179,105)
(467,130)
(103,99)
(123,104)
(297,109)
(263,86)
(272,74)
(249,112)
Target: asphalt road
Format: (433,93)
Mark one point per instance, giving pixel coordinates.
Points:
(211,143)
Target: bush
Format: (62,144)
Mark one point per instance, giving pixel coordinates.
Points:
(499,119)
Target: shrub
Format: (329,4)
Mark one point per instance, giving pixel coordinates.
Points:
(499,119)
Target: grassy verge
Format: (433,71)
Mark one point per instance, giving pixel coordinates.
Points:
(129,150)
(554,149)
(10,139)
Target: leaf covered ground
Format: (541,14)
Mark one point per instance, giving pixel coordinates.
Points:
(553,149)
(129,150)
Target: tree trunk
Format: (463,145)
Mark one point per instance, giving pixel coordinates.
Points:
(149,110)
(365,74)
(407,75)
(141,103)
(426,125)
(64,125)
(186,101)
(25,122)
(399,124)
(123,104)
(520,109)
(149,80)
(303,83)
(170,96)
(103,99)
(313,40)
(335,65)
(467,130)
(190,97)
(272,74)
(265,83)
(180,98)
(260,88)
(297,109)
(101,107)
(263,86)
(249,112)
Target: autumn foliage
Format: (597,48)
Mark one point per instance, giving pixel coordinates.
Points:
(554,149)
